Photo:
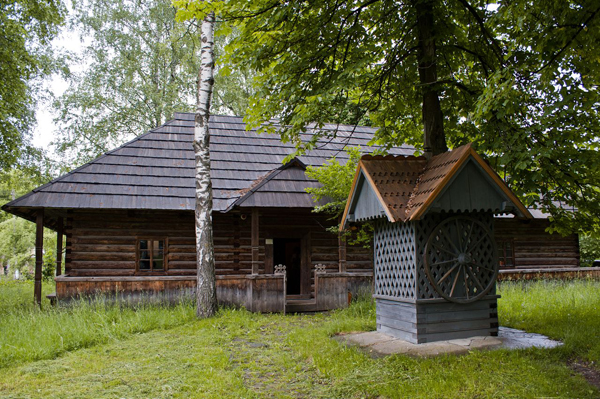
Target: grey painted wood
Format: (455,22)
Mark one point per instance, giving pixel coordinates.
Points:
(470,190)
(365,205)
(419,323)
(404,335)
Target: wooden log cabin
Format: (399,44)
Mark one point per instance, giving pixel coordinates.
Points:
(128,219)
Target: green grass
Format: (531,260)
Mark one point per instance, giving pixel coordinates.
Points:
(18,295)
(28,333)
(240,354)
(567,311)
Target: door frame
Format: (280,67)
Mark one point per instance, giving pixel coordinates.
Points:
(305,256)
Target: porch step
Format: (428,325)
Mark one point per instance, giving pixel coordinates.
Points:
(301,305)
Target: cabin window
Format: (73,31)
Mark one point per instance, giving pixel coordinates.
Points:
(151,255)
(506,254)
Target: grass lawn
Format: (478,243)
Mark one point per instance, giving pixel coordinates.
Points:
(160,352)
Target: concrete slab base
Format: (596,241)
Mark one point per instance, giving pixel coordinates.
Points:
(379,344)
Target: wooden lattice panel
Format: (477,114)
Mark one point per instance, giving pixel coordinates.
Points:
(483,250)
(395,260)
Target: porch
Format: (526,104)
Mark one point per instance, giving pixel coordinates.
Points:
(263,293)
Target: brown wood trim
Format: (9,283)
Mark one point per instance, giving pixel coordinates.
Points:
(39,255)
(341,252)
(152,272)
(501,184)
(59,245)
(377,193)
(501,244)
(352,191)
(255,241)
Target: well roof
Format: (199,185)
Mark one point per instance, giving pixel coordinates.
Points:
(406,186)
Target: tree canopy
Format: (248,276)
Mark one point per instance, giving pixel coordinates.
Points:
(139,67)
(26,29)
(518,78)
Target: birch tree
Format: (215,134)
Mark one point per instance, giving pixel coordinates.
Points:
(206,288)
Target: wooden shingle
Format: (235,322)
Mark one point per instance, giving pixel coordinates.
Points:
(156,170)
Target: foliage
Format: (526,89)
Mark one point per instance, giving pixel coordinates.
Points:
(17,235)
(519,79)
(241,354)
(139,68)
(26,29)
(17,248)
(336,179)
(589,247)
(233,84)
(18,182)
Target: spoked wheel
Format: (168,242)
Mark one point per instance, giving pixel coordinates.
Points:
(461,260)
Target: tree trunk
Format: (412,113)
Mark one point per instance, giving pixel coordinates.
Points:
(206,288)
(433,119)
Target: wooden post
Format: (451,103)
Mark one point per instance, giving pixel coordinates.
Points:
(39,256)
(342,251)
(269,256)
(306,265)
(59,246)
(236,242)
(254,241)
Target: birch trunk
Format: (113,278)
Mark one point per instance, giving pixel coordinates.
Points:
(206,288)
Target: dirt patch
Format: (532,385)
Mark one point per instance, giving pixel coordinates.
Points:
(588,370)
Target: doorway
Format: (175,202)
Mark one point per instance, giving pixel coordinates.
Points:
(288,252)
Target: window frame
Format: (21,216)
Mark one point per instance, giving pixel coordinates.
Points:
(502,256)
(151,271)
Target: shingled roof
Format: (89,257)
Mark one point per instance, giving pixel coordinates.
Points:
(156,170)
(404,188)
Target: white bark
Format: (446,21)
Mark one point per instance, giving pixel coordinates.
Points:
(206,289)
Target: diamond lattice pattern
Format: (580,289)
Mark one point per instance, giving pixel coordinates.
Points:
(395,259)
(399,261)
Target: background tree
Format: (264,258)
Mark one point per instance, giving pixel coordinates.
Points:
(589,246)
(17,235)
(139,68)
(518,79)
(26,29)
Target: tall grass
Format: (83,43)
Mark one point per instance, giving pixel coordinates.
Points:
(18,294)
(565,310)
(28,333)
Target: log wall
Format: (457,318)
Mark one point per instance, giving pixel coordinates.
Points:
(258,293)
(534,248)
(103,243)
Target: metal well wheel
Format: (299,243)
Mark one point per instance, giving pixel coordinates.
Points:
(461,260)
